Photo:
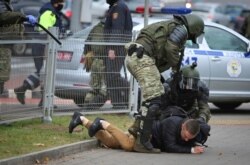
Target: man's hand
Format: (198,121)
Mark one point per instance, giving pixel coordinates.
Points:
(111,54)
(31,19)
(197,150)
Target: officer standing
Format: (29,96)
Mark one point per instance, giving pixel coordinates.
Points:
(118,29)
(11,27)
(94,62)
(50,16)
(156,49)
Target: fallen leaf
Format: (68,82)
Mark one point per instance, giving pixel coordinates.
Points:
(39,144)
(37,161)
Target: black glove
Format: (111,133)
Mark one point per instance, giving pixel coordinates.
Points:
(131,49)
(139,52)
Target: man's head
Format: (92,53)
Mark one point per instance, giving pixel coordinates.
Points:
(189,78)
(57,4)
(189,129)
(194,24)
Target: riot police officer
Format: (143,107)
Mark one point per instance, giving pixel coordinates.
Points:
(190,93)
(156,49)
(118,29)
(11,27)
(94,62)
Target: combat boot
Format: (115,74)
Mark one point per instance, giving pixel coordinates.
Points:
(20,92)
(135,127)
(138,147)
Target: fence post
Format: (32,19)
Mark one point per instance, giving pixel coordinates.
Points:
(49,82)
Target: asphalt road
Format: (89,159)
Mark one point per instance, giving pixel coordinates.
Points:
(227,145)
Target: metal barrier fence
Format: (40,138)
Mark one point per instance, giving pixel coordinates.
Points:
(65,85)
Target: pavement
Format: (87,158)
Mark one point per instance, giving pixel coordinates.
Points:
(227,145)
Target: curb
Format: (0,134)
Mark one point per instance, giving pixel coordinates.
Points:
(50,154)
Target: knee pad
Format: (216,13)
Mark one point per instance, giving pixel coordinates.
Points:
(153,107)
(33,81)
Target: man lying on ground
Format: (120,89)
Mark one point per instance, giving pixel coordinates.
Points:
(173,134)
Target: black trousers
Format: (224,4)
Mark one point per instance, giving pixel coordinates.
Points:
(117,86)
(38,52)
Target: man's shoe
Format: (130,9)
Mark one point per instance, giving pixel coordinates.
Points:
(95,127)
(75,121)
(138,147)
(20,94)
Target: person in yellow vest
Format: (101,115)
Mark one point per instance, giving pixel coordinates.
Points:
(50,16)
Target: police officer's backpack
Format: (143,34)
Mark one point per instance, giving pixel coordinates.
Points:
(173,111)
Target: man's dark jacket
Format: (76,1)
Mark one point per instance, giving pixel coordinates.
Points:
(166,135)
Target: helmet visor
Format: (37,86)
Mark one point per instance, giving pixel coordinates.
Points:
(188,83)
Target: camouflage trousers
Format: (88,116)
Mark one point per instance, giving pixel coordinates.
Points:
(146,73)
(5,64)
(97,82)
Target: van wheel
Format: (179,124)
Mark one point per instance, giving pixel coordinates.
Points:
(227,106)
(79,101)
(19,49)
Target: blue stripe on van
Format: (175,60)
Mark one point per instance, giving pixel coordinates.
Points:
(210,53)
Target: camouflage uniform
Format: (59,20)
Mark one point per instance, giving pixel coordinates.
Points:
(156,49)
(97,96)
(11,27)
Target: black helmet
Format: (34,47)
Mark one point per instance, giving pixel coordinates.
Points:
(194,24)
(190,78)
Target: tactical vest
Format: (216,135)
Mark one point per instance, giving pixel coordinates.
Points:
(157,34)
